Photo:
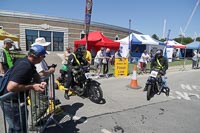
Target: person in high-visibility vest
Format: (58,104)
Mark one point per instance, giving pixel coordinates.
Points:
(159,62)
(6,61)
(75,61)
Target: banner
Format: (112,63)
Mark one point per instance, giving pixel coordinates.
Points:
(88,12)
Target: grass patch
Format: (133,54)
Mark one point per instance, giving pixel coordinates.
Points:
(171,64)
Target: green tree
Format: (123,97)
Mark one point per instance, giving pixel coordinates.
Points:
(155,36)
(184,40)
(163,39)
(198,39)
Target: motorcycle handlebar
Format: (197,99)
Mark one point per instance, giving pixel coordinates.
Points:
(159,71)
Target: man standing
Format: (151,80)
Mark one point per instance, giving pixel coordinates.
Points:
(107,61)
(98,60)
(143,61)
(20,80)
(39,100)
(6,61)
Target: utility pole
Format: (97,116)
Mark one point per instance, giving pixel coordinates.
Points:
(129,41)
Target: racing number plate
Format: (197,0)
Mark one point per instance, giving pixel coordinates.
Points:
(154,74)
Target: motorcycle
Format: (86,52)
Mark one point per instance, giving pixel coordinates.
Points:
(83,85)
(155,84)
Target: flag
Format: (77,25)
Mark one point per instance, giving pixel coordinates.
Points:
(88,13)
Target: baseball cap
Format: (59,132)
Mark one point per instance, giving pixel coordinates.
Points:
(41,41)
(8,40)
(38,50)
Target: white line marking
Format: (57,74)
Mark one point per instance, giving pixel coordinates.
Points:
(194,94)
(105,131)
(186,87)
(183,95)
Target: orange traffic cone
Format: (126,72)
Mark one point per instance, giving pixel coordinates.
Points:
(134,84)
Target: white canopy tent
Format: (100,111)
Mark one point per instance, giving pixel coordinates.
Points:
(138,39)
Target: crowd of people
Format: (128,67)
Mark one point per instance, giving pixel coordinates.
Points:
(29,77)
(34,76)
(102,61)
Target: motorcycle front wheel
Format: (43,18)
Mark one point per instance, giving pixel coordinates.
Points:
(95,93)
(149,92)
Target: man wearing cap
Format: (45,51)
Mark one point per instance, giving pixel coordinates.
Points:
(42,68)
(6,61)
(20,81)
(41,98)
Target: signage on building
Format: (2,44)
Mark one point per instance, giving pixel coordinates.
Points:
(45,26)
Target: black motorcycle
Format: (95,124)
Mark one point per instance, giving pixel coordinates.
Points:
(83,85)
(155,85)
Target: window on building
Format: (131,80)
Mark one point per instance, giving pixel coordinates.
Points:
(56,37)
(31,35)
(1,27)
(58,42)
(47,36)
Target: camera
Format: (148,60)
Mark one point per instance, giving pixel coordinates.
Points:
(53,65)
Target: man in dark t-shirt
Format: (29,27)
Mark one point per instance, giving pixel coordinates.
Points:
(22,75)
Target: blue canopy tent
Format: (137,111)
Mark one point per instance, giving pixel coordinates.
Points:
(139,43)
(190,47)
(193,45)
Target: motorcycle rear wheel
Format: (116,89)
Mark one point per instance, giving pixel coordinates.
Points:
(95,94)
(149,92)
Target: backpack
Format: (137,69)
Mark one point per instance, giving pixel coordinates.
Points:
(4,81)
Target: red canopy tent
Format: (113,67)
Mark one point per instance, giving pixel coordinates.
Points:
(97,40)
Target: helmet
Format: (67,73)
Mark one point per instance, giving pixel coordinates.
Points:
(80,51)
(38,50)
(159,52)
(83,48)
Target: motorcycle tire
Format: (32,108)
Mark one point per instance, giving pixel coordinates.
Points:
(149,92)
(95,93)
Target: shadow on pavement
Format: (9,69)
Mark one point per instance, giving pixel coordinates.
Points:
(67,119)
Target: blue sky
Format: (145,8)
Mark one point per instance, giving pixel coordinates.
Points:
(147,16)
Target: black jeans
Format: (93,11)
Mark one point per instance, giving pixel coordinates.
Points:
(70,80)
(105,68)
